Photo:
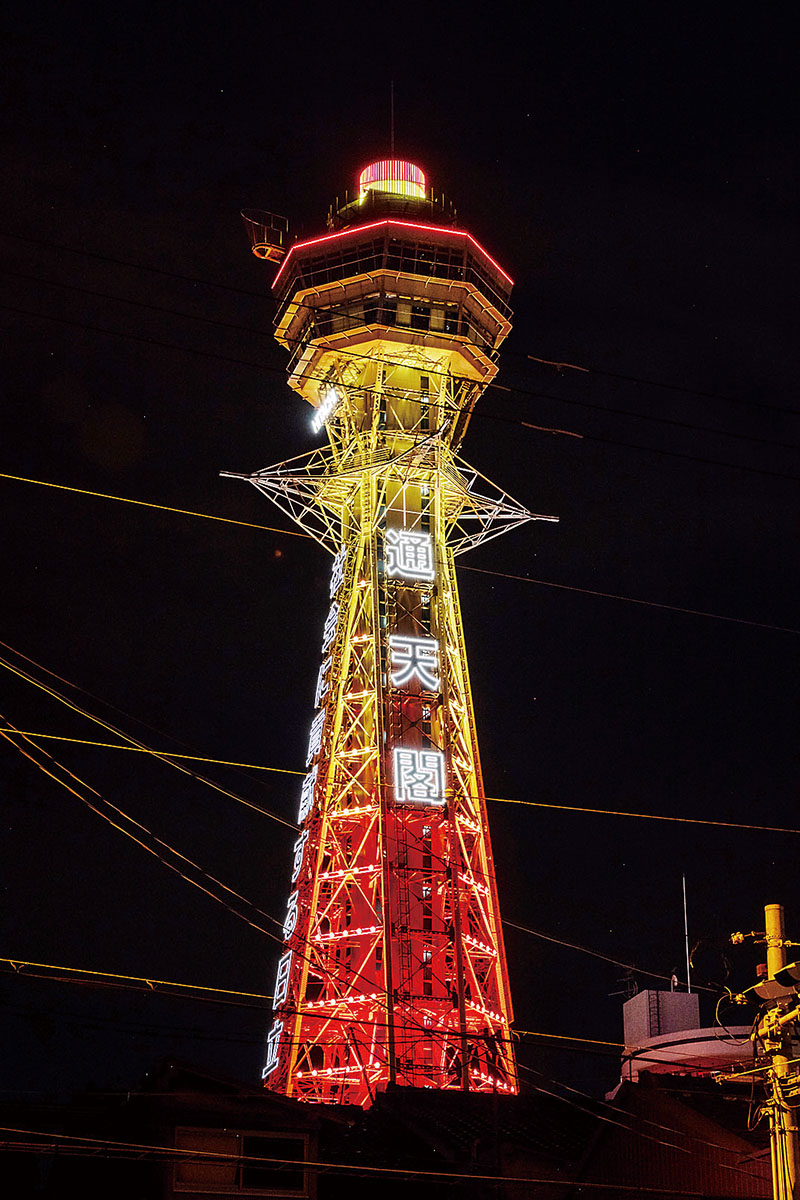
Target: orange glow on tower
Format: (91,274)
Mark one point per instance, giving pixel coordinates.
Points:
(393,967)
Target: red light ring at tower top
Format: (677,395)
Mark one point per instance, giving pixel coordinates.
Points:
(360,229)
(393,175)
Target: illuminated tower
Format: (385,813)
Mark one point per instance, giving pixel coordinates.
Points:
(393,967)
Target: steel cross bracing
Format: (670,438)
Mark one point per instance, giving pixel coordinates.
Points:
(393,968)
(315,489)
(397,969)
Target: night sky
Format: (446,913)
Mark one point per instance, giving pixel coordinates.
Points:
(634,168)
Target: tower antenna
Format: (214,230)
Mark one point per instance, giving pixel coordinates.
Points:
(391,107)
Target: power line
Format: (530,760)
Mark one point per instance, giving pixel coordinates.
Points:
(547,937)
(220,762)
(669,387)
(511,924)
(114,1149)
(10,733)
(123,262)
(287,771)
(149,504)
(165,758)
(621,1116)
(277,370)
(81,976)
(611,812)
(692,612)
(608,812)
(18,966)
(114,708)
(477,570)
(523,928)
(516,390)
(213,879)
(265,295)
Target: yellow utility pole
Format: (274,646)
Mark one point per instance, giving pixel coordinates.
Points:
(774,1031)
(773,1034)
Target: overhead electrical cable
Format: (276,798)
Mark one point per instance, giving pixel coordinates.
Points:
(277,370)
(161,755)
(511,924)
(113,1149)
(622,1116)
(20,967)
(10,734)
(668,387)
(125,262)
(82,976)
(264,295)
(608,812)
(220,762)
(138,720)
(149,504)
(640,816)
(53,693)
(548,937)
(692,612)
(34,736)
(516,390)
(479,570)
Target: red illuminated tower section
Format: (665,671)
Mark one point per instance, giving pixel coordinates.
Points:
(393,968)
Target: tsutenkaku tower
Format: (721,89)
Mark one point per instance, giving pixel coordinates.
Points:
(393,967)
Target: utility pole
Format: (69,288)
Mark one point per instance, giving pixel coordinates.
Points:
(772,1037)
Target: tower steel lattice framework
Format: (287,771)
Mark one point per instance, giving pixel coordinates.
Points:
(393,967)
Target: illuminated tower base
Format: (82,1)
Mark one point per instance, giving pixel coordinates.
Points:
(393,968)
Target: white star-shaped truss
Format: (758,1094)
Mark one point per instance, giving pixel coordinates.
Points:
(315,489)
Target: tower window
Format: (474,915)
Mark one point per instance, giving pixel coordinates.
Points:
(420,316)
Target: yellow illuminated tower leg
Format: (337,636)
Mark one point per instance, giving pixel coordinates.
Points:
(393,968)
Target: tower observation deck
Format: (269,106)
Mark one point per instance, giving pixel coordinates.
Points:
(393,967)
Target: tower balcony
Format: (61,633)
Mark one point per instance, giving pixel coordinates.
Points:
(393,282)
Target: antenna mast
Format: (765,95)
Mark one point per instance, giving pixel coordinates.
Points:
(391,107)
